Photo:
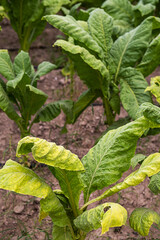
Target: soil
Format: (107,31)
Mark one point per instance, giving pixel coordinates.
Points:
(19,213)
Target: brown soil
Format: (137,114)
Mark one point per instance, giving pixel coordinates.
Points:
(19,214)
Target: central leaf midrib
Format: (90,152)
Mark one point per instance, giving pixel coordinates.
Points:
(123,53)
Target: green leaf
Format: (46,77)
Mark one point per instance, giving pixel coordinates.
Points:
(105,163)
(141,220)
(129,48)
(100,27)
(34,99)
(154,87)
(85,99)
(52,110)
(49,153)
(154,184)
(53,7)
(151,58)
(150,112)
(7,106)
(119,9)
(136,159)
(19,179)
(70,183)
(120,27)
(132,92)
(52,206)
(22,62)
(44,68)
(142,10)
(18,84)
(70,27)
(6,67)
(149,167)
(106,215)
(87,65)
(61,233)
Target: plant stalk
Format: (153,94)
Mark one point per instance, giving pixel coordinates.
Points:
(108,111)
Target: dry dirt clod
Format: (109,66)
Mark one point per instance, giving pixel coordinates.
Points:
(18,209)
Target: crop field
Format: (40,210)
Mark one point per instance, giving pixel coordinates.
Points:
(80,120)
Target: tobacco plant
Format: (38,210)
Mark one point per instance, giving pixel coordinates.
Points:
(128,15)
(112,70)
(25,17)
(102,166)
(20,98)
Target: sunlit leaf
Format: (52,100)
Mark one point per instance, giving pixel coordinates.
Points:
(141,220)
(19,179)
(49,153)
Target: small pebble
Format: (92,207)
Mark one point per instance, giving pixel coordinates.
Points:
(18,209)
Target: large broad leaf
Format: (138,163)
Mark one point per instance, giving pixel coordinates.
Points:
(106,215)
(154,184)
(52,206)
(70,184)
(119,9)
(150,111)
(106,161)
(149,167)
(52,110)
(6,67)
(22,62)
(141,220)
(61,233)
(19,179)
(89,68)
(151,58)
(129,48)
(70,27)
(132,92)
(100,27)
(7,106)
(154,87)
(34,99)
(49,153)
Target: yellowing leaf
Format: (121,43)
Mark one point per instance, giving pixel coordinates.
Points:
(19,179)
(116,216)
(49,153)
(105,215)
(141,220)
